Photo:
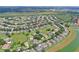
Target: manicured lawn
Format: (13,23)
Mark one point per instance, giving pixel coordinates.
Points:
(45,31)
(22,37)
(3,36)
(19,37)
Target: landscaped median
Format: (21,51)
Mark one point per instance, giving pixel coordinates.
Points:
(66,41)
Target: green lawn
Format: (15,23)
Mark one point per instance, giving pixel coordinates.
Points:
(22,37)
(19,37)
(3,36)
(64,17)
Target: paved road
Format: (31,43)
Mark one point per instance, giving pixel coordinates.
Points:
(64,42)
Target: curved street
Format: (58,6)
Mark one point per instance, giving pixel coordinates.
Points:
(69,44)
(74,45)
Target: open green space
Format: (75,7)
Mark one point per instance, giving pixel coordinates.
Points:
(3,36)
(19,37)
(29,13)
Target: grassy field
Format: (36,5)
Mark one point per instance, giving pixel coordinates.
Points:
(3,36)
(29,13)
(24,36)
(19,37)
(64,17)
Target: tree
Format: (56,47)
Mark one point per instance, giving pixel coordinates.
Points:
(52,29)
(52,36)
(34,45)
(27,34)
(12,33)
(29,30)
(7,50)
(50,23)
(22,44)
(9,35)
(44,41)
(48,29)
(2,41)
(60,31)
(57,33)
(37,37)
(67,25)
(37,32)
(14,50)
(62,23)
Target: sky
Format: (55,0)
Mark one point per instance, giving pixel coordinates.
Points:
(39,2)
